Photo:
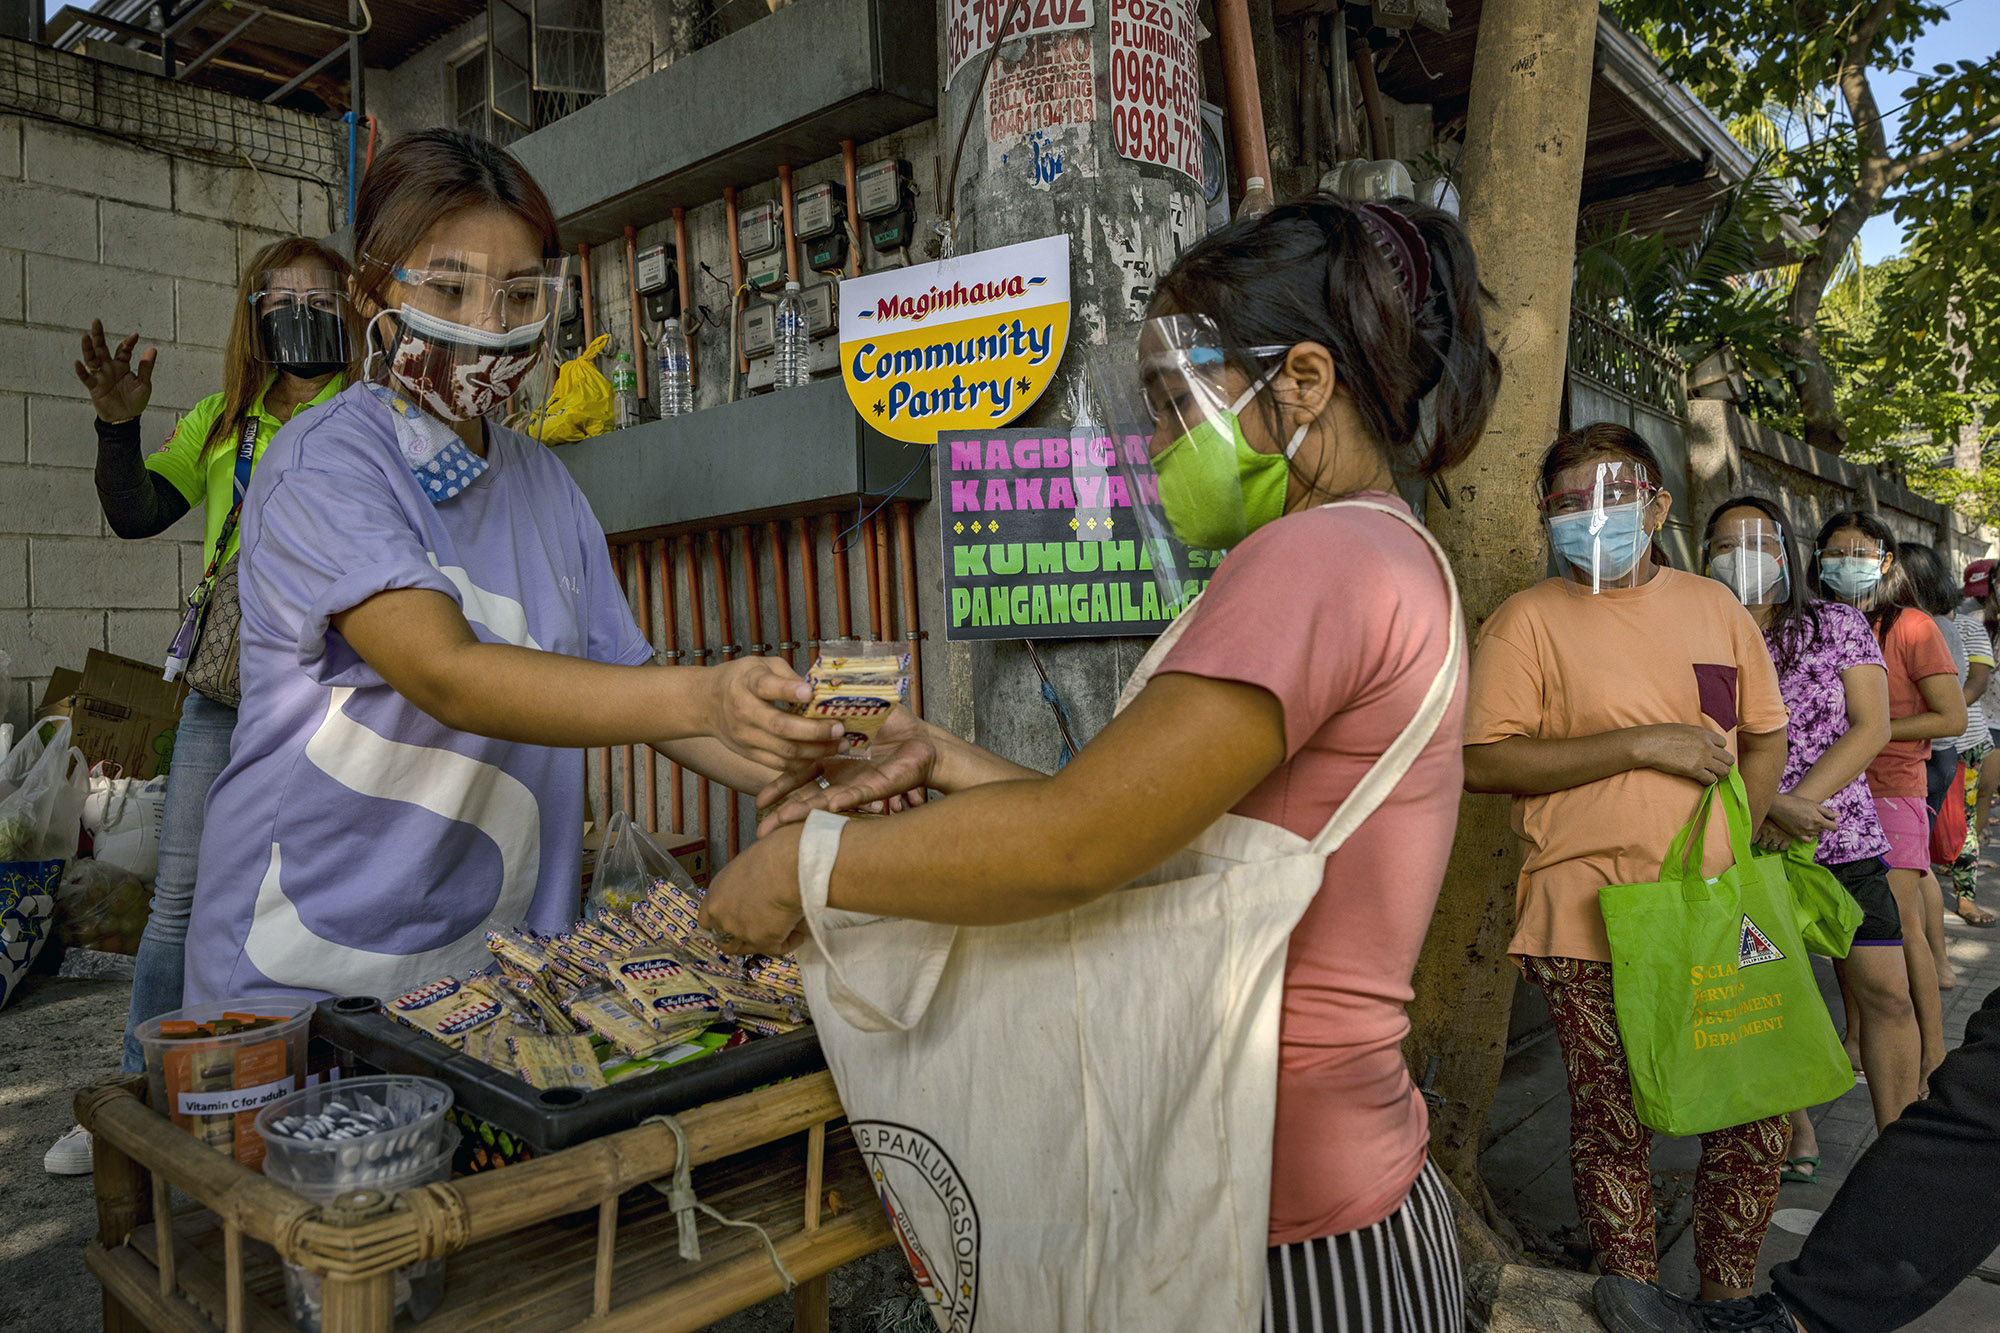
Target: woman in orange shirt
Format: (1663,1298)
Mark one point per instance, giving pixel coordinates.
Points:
(1603,700)
(1856,563)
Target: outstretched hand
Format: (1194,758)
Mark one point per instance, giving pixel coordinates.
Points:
(117,390)
(899,765)
(752,717)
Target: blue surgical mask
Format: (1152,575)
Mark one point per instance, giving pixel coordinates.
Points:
(1851,577)
(1605,544)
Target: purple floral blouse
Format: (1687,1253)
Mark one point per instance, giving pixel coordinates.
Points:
(1814,693)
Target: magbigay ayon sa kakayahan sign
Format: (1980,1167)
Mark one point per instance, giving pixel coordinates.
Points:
(965,343)
(1043,538)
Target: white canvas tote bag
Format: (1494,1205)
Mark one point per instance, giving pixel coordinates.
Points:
(1069,1120)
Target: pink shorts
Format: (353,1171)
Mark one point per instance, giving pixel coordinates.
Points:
(1906,821)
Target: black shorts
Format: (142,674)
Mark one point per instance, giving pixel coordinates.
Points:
(1868,883)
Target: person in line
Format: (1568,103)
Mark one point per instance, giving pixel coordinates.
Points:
(1836,689)
(1913,1220)
(1926,587)
(1973,747)
(1311,650)
(1858,562)
(1981,600)
(291,346)
(432,628)
(1603,700)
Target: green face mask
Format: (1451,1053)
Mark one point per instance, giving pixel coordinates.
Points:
(1217,490)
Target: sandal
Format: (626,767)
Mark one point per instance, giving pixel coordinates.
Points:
(1799,1171)
(1972,914)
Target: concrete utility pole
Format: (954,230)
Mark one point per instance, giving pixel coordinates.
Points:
(1523,171)
(1127,223)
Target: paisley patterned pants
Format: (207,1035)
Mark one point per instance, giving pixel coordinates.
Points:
(1610,1151)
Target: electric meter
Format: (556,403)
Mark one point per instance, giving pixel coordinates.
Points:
(819,308)
(760,328)
(757,230)
(766,273)
(828,253)
(762,376)
(892,232)
(654,270)
(820,211)
(880,189)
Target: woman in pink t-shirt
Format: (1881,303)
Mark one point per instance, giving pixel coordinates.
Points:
(1310,652)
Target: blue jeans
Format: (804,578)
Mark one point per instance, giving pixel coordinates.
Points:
(201,749)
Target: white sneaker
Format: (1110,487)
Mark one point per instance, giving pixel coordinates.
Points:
(71,1154)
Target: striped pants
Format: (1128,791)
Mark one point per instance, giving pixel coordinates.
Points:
(1401,1275)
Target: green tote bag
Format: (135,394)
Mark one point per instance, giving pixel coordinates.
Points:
(1721,1018)
(1828,916)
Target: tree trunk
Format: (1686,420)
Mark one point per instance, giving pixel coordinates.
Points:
(1523,173)
(1824,427)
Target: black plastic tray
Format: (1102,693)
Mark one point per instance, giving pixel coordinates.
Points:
(551,1119)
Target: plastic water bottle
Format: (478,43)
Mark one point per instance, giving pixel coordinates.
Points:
(792,366)
(676,392)
(625,390)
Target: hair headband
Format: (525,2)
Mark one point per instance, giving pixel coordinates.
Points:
(1403,246)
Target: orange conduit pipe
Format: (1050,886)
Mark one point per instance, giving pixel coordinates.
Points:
(640,552)
(847,163)
(735,273)
(753,598)
(682,263)
(843,597)
(871,567)
(785,647)
(697,635)
(671,636)
(1239,79)
(727,648)
(809,582)
(584,294)
(791,233)
(885,588)
(906,546)
(632,290)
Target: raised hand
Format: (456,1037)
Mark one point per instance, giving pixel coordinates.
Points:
(117,390)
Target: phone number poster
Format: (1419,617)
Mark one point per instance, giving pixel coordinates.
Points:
(1042,539)
(1155,94)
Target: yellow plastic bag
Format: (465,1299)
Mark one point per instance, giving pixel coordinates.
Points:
(580,405)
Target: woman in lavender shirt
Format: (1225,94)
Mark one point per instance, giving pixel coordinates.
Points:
(1831,673)
(432,628)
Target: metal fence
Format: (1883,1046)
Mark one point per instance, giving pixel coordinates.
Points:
(143,108)
(1620,360)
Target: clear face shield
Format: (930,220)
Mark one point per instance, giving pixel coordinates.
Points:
(305,322)
(1748,556)
(465,333)
(1851,566)
(1596,516)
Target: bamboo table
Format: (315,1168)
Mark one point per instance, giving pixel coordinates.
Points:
(522,1250)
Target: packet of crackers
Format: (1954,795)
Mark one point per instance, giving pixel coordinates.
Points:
(602,1010)
(556,1062)
(663,987)
(856,683)
(447,1009)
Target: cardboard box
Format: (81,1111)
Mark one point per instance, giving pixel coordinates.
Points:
(690,849)
(120,711)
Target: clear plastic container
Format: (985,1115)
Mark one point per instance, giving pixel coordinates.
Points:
(676,371)
(213,1086)
(407,1111)
(791,363)
(419,1288)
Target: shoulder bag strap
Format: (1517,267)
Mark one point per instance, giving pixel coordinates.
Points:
(1388,770)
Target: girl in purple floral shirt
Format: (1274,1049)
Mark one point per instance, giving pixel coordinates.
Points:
(1834,682)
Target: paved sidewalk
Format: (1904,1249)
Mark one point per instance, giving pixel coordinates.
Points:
(1526,1163)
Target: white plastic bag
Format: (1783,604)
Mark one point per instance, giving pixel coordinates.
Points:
(628,865)
(122,817)
(43,783)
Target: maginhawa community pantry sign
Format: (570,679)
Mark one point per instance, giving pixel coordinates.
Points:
(966,343)
(1041,540)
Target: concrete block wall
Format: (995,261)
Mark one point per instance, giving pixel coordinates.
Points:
(95,227)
